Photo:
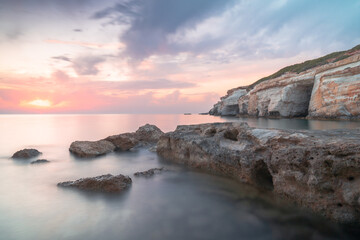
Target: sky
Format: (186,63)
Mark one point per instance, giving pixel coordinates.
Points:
(156,56)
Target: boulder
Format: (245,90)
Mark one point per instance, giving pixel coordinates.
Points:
(148,133)
(91,149)
(124,141)
(319,170)
(39,161)
(105,183)
(149,173)
(26,153)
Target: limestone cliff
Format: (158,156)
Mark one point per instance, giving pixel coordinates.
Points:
(328,87)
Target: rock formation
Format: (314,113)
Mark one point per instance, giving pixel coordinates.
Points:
(145,136)
(327,87)
(26,153)
(105,183)
(228,106)
(336,92)
(319,170)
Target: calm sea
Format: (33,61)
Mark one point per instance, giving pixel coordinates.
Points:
(179,204)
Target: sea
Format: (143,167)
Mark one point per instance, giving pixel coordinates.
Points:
(178,204)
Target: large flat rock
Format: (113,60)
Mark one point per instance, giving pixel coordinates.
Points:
(319,170)
(91,149)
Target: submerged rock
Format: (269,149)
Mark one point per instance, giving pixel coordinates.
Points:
(40,161)
(26,153)
(91,149)
(149,173)
(104,183)
(316,169)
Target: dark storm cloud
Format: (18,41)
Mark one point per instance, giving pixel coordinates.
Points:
(255,29)
(153,20)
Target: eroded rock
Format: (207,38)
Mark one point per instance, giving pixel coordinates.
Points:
(328,90)
(91,149)
(104,183)
(26,153)
(228,106)
(336,93)
(316,169)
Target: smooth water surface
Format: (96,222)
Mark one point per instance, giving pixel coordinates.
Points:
(178,204)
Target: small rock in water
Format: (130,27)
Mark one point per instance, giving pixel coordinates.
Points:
(26,153)
(104,183)
(150,172)
(91,149)
(40,161)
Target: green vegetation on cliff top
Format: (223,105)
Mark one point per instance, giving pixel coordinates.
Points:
(300,67)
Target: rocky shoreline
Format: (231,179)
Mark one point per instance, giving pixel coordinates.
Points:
(319,170)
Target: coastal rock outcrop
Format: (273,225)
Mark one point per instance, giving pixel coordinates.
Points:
(327,87)
(228,106)
(319,170)
(91,149)
(26,153)
(145,136)
(104,183)
(336,92)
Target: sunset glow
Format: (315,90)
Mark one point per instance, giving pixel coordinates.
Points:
(125,56)
(40,103)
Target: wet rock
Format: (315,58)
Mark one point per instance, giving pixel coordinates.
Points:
(39,161)
(124,141)
(319,170)
(26,153)
(91,149)
(104,183)
(149,173)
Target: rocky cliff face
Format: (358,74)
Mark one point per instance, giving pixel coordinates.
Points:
(228,106)
(336,92)
(319,170)
(331,90)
